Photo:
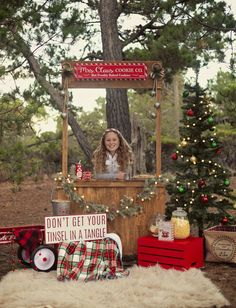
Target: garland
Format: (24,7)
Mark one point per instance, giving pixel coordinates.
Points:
(128,207)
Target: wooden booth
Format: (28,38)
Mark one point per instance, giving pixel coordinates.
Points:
(124,74)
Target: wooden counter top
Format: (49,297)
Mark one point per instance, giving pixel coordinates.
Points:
(113,183)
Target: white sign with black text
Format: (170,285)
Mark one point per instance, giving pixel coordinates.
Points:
(73,228)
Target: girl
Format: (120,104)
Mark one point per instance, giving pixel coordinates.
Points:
(113,156)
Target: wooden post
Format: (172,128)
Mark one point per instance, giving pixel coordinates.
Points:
(65,131)
(158,128)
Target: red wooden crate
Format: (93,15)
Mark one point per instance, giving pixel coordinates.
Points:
(178,254)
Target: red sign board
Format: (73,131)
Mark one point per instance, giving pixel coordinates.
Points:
(117,71)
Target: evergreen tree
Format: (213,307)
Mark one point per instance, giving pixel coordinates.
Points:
(201,184)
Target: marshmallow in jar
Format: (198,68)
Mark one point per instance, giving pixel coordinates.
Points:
(181,224)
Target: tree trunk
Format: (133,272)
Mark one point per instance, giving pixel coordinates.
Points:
(80,136)
(117,107)
(139,147)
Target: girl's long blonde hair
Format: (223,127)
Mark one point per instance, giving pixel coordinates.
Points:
(124,153)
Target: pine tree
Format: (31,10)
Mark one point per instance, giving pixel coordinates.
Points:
(201,184)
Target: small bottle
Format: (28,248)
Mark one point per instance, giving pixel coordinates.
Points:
(181,224)
(78,170)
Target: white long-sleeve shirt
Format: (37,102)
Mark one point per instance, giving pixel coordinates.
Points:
(112,168)
(111,163)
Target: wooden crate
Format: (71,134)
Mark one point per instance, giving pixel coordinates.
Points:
(109,193)
(177,254)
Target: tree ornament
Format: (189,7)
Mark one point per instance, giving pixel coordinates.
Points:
(174,156)
(225,220)
(181,189)
(201,183)
(63,115)
(183,143)
(213,144)
(157,105)
(226,182)
(186,93)
(193,159)
(218,151)
(210,120)
(204,198)
(152,115)
(190,113)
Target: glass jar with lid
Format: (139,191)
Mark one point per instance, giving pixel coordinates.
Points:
(153,226)
(180,223)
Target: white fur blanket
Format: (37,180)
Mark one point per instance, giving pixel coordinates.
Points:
(143,288)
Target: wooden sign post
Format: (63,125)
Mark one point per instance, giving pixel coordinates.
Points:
(123,74)
(158,87)
(65,131)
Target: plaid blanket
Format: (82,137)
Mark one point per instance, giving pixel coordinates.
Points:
(90,260)
(29,239)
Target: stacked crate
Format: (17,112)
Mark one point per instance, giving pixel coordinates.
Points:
(177,254)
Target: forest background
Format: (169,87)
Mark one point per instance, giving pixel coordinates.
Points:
(37,35)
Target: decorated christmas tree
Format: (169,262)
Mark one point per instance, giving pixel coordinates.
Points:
(201,185)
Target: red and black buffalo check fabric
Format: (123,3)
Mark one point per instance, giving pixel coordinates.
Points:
(91,260)
(28,239)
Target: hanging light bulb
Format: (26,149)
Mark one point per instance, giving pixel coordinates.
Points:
(157,105)
(152,115)
(63,115)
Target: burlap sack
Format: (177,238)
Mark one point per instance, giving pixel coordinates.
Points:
(220,244)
